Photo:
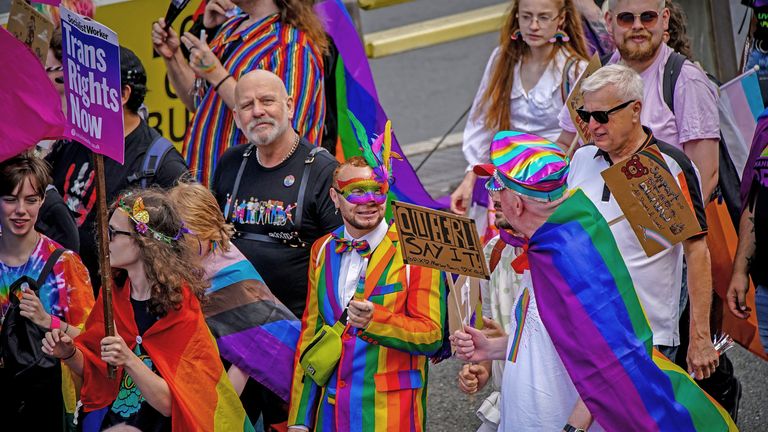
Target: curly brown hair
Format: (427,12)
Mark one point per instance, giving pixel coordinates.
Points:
(496,97)
(300,14)
(169,265)
(677,31)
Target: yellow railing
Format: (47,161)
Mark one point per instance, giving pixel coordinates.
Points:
(430,32)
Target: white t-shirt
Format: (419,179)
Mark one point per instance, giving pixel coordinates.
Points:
(532,112)
(536,393)
(657,279)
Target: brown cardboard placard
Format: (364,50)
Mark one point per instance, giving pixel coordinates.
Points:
(436,239)
(655,207)
(31,27)
(575,100)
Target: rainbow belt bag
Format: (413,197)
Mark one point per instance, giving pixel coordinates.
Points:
(320,357)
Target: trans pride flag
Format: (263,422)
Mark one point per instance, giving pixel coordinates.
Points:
(356,92)
(253,330)
(740,105)
(597,324)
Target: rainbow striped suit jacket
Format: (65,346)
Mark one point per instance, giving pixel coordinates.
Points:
(380,383)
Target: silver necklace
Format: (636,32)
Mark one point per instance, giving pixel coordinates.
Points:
(293,149)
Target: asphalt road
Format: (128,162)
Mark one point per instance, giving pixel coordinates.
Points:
(424,92)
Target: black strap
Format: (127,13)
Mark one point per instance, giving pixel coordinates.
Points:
(671,72)
(246,155)
(303,187)
(55,255)
(153,158)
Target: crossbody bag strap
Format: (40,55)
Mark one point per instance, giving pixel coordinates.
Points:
(239,177)
(55,255)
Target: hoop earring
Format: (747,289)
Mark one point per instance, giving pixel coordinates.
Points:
(517,35)
(561,35)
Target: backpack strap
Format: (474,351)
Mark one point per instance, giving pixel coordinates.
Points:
(672,69)
(246,155)
(55,255)
(303,187)
(151,161)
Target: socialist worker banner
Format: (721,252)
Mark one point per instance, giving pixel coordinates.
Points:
(91,59)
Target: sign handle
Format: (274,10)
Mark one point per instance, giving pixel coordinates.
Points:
(103,245)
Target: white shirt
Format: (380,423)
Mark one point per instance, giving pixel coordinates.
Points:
(352,263)
(537,393)
(534,111)
(657,279)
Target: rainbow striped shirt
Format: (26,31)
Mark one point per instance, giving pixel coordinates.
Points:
(267,44)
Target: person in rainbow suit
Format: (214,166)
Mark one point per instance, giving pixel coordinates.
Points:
(396,313)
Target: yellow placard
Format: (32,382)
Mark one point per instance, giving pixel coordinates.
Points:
(30,27)
(132,21)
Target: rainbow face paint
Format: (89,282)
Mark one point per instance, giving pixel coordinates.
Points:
(360,191)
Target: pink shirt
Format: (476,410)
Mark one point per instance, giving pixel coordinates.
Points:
(695,117)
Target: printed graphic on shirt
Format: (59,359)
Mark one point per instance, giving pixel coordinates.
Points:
(129,398)
(525,317)
(77,191)
(255,212)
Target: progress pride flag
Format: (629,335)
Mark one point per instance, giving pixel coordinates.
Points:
(91,58)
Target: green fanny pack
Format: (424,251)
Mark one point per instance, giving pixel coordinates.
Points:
(320,357)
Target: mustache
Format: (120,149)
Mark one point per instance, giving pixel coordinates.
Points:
(643,33)
(254,123)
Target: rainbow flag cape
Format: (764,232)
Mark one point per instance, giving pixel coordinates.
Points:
(184,353)
(597,324)
(253,329)
(356,92)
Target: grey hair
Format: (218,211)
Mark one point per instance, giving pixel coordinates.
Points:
(627,83)
(612,4)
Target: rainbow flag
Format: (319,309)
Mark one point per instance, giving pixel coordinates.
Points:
(356,92)
(597,324)
(253,329)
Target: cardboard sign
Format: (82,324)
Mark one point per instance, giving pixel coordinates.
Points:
(463,298)
(31,27)
(440,240)
(651,200)
(575,100)
(91,59)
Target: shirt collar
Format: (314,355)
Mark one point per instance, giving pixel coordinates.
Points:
(374,237)
(649,141)
(229,34)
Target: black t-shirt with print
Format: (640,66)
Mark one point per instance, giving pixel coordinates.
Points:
(130,407)
(73,176)
(759,201)
(266,204)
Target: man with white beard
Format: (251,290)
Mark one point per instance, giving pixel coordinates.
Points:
(286,180)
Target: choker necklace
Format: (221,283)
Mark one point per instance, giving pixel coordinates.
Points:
(293,149)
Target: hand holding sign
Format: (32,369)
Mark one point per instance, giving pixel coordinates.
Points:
(201,59)
(165,40)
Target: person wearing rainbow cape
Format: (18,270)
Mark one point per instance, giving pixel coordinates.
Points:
(396,313)
(580,349)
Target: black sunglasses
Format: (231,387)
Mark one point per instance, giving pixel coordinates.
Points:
(111,232)
(627,19)
(601,117)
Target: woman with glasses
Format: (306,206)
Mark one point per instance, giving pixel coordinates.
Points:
(525,84)
(169,376)
(42,286)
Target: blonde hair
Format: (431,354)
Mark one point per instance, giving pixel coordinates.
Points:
(201,214)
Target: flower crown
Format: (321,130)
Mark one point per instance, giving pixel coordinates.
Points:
(140,216)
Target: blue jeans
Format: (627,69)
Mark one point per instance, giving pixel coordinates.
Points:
(761,301)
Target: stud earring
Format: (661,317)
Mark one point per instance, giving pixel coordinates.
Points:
(561,35)
(517,35)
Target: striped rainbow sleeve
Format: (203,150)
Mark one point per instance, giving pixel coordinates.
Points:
(418,329)
(300,67)
(304,392)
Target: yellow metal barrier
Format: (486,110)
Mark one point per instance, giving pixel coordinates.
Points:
(375,4)
(434,31)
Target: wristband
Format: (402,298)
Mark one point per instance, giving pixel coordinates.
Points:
(55,322)
(216,87)
(74,351)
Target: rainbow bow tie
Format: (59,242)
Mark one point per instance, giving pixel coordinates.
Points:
(361,246)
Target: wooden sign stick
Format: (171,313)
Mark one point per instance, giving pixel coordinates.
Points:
(103,245)
(572,147)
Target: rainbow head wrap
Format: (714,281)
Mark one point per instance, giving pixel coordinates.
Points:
(526,164)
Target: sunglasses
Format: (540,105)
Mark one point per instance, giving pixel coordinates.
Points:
(111,233)
(627,19)
(601,117)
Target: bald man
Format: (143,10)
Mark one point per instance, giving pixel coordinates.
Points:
(275,191)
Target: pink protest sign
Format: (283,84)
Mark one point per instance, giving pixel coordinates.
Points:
(91,59)
(31,106)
